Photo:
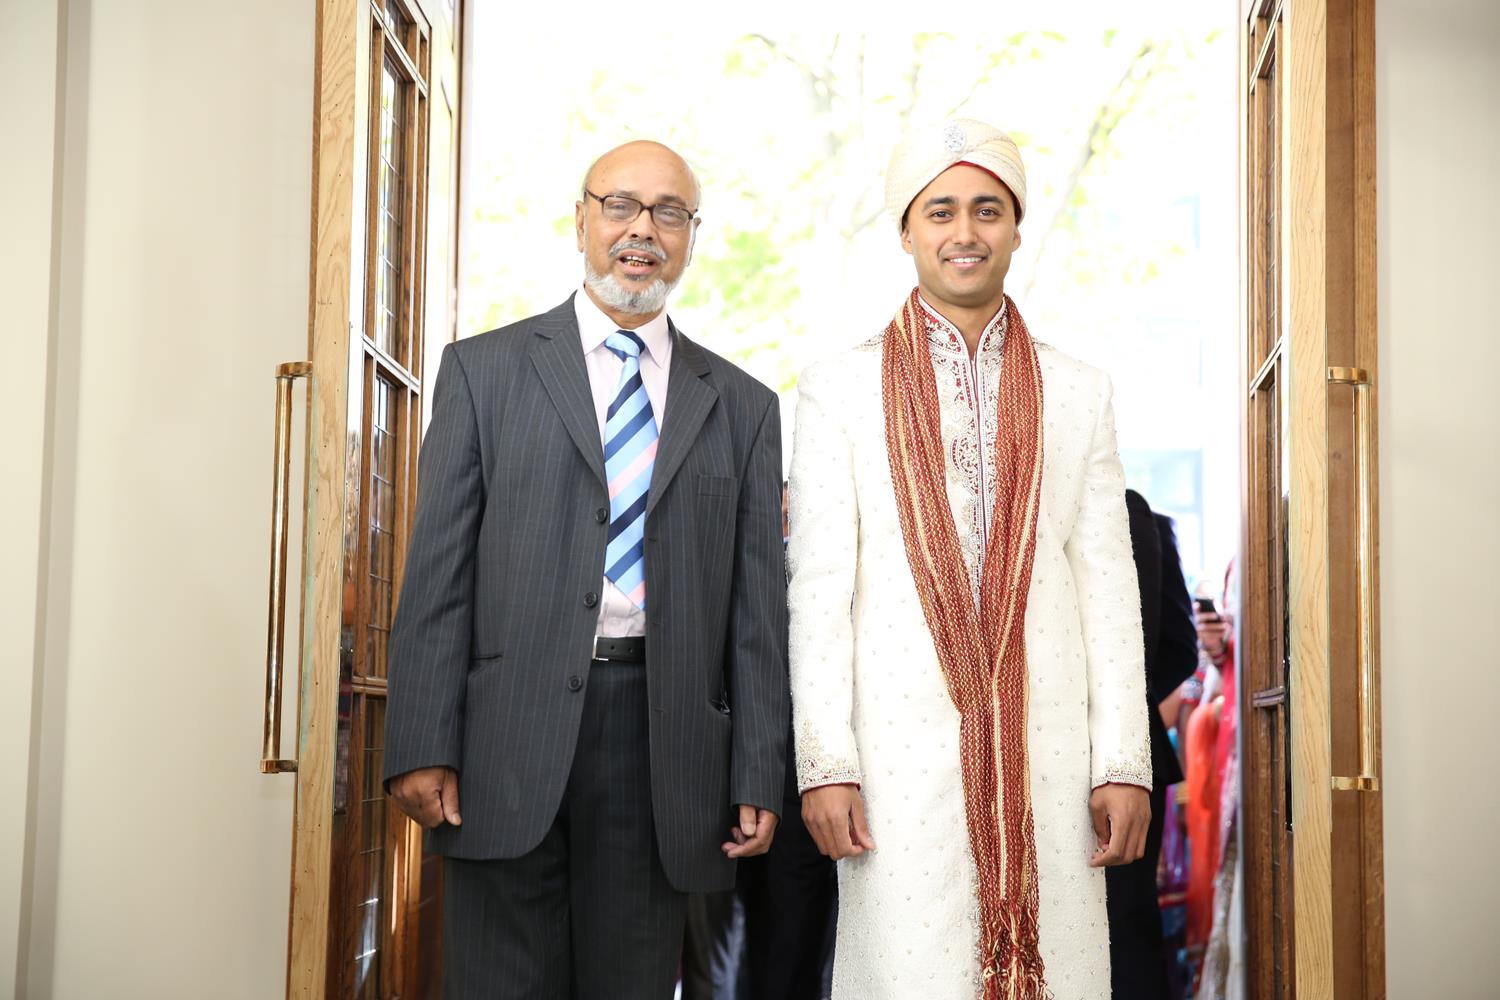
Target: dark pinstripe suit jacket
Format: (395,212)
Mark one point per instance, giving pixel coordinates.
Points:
(492,639)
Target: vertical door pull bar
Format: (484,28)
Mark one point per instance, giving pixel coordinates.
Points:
(1367,780)
(271,761)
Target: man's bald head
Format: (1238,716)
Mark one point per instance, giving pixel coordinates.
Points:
(641,153)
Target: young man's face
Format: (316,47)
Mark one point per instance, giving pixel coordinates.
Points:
(961,231)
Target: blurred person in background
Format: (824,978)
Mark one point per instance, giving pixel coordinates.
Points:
(1138,961)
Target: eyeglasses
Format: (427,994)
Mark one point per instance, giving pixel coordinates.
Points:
(619,208)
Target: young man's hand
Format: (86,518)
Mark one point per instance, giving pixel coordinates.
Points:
(1121,815)
(835,816)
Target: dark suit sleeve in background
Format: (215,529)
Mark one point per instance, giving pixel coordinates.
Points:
(431,638)
(1177,657)
(756,649)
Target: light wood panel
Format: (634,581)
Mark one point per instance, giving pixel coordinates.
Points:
(336,139)
(1304,209)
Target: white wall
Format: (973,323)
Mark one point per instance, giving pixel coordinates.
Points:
(28,65)
(1438,72)
(160,860)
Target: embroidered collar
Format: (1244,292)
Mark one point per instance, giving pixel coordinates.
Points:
(944,339)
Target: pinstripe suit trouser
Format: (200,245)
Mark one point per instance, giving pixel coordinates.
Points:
(588,914)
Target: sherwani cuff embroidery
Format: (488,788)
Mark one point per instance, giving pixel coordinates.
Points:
(817,766)
(1134,770)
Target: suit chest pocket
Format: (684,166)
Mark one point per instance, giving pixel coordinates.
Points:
(727,487)
(714,514)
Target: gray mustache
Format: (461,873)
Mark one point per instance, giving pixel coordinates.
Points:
(637,246)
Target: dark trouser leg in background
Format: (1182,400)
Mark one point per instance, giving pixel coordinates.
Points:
(1137,959)
(714,946)
(790,896)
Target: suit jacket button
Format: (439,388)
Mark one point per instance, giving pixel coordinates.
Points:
(590,599)
(601,515)
(575,683)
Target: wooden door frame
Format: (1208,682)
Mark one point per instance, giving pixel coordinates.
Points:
(338,438)
(1357,858)
(1327,204)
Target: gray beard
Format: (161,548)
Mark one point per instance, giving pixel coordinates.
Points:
(641,302)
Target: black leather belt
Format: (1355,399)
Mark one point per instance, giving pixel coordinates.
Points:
(626,650)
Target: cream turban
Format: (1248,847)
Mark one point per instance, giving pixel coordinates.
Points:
(924,153)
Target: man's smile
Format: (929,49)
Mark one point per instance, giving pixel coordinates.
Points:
(637,263)
(965,260)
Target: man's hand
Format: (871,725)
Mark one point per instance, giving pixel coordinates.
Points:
(428,795)
(835,816)
(753,835)
(1213,633)
(1121,815)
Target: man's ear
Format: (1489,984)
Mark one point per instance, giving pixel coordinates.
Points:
(1016,245)
(578,211)
(906,239)
(692,241)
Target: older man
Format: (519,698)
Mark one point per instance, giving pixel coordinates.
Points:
(589,651)
(967,673)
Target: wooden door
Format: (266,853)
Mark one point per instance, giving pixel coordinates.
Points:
(1311,810)
(365,900)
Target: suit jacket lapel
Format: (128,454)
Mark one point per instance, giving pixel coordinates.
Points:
(689,399)
(558,357)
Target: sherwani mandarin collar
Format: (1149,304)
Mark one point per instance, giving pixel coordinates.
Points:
(945,340)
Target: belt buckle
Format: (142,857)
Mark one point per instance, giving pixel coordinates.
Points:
(597,655)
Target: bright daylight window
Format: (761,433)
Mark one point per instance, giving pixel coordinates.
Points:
(1128,260)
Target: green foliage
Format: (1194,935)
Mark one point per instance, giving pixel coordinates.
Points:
(747,280)
(808,188)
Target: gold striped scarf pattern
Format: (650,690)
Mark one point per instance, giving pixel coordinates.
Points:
(982,650)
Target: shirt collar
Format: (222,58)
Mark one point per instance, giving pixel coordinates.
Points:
(594,328)
(944,338)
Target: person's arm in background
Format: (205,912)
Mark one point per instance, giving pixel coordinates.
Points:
(1177,649)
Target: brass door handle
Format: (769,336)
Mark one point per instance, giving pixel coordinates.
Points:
(1367,780)
(271,761)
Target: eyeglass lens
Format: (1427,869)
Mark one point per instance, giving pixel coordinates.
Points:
(623,209)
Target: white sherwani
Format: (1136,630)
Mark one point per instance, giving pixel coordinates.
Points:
(869,701)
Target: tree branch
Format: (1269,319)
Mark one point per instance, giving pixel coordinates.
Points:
(1121,99)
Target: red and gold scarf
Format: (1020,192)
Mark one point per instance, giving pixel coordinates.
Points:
(982,650)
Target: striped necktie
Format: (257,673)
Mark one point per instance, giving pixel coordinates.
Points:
(629,453)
